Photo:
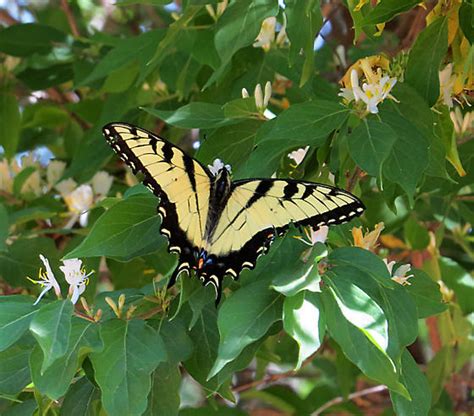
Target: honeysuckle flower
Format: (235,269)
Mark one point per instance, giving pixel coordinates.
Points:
(267,33)
(218,165)
(298,155)
(369,240)
(261,99)
(101,183)
(46,280)
(33,184)
(377,85)
(6,177)
(462,123)
(66,186)
(446,83)
(54,171)
(315,236)
(76,277)
(220,8)
(400,274)
(79,202)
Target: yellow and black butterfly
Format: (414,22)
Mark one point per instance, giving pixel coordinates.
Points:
(218,226)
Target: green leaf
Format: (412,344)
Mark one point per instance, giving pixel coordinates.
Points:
(430,46)
(466,20)
(396,303)
(139,49)
(26,408)
(16,313)
(243,319)
(14,369)
(43,78)
(363,260)
(459,280)
(4,227)
(304,23)
(178,344)
(413,107)
(308,123)
(82,399)
(129,229)
(386,10)
(164,394)
(409,157)
(298,271)
(303,320)
(132,350)
(241,108)
(193,115)
(370,143)
(240,25)
(10,123)
(358,349)
(55,380)
(51,327)
(358,307)
(232,144)
(426,294)
(440,368)
(22,259)
(416,235)
(417,385)
(29,38)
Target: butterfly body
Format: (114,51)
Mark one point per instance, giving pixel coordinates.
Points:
(218,226)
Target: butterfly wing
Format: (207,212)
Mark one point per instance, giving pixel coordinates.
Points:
(257,210)
(182,184)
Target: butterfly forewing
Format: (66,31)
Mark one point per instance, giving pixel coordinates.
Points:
(182,184)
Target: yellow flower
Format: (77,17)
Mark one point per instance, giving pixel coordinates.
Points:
(369,240)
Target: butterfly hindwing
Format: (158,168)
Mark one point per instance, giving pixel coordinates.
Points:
(182,184)
(258,210)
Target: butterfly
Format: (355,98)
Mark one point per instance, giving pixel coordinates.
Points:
(218,226)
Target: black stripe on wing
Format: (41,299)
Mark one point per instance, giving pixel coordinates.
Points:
(259,244)
(170,228)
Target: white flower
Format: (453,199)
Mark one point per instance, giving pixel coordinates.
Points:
(46,280)
(80,201)
(298,155)
(267,34)
(261,99)
(101,183)
(462,123)
(399,275)
(66,186)
(446,83)
(372,93)
(54,171)
(318,236)
(217,166)
(76,277)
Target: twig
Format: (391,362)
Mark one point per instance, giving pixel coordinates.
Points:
(353,179)
(70,18)
(272,378)
(7,18)
(340,399)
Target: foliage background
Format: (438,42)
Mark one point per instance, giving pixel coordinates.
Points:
(306,330)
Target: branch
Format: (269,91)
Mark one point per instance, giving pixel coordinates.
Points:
(7,18)
(351,183)
(272,378)
(340,399)
(70,18)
